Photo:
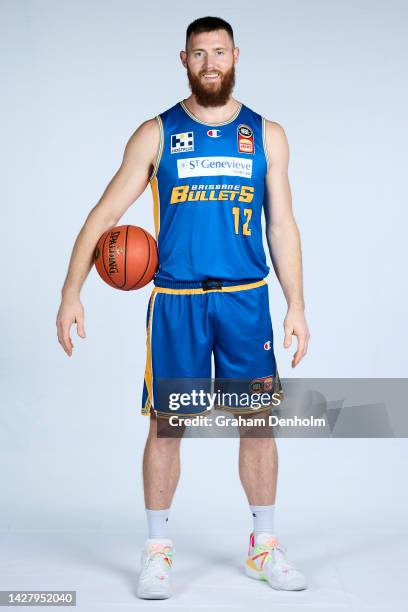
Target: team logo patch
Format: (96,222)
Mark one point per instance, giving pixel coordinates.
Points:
(267,345)
(214,133)
(181,143)
(261,384)
(245,139)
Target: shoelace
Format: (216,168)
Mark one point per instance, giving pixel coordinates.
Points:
(155,558)
(280,559)
(155,562)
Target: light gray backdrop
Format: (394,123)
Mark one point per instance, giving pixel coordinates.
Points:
(78,78)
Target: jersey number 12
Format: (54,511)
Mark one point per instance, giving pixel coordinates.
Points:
(236,211)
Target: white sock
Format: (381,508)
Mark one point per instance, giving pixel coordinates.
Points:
(263,519)
(157,523)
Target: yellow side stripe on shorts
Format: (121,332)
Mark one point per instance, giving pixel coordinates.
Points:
(149,368)
(200,290)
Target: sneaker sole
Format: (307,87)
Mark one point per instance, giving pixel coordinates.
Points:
(142,595)
(259,576)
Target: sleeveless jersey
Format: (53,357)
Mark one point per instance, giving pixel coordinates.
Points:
(208,189)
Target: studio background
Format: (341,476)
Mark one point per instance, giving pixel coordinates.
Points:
(78,78)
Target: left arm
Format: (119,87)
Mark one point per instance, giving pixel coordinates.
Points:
(284,239)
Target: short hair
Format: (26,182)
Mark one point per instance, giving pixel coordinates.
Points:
(208,24)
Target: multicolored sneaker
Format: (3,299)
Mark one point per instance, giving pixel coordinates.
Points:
(266,561)
(156,563)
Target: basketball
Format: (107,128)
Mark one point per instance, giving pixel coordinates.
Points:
(126,257)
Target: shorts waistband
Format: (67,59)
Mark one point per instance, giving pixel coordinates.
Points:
(210,283)
(206,285)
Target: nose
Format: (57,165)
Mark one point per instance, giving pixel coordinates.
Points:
(208,64)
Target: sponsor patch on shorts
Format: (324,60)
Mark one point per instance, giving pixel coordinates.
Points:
(262,384)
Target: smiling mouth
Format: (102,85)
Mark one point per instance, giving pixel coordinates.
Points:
(211,77)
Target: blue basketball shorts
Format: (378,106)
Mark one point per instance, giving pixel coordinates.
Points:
(186,324)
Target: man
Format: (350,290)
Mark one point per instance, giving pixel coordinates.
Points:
(213,165)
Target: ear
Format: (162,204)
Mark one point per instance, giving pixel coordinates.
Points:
(236,54)
(183,58)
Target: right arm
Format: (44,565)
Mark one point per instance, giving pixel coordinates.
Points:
(126,186)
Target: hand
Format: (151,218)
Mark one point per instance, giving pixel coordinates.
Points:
(295,325)
(71,311)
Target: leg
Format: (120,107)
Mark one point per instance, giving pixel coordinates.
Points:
(244,350)
(161,468)
(266,560)
(258,469)
(177,348)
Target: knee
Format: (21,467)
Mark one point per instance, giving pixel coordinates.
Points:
(257,444)
(162,441)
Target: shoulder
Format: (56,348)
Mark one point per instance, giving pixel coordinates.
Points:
(146,136)
(152,129)
(276,142)
(148,129)
(275,130)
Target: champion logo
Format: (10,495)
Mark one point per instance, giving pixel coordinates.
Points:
(214,133)
(267,345)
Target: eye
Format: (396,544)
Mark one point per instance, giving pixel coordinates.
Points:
(220,52)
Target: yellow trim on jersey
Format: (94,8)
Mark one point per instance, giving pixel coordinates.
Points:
(200,290)
(264,142)
(154,184)
(149,368)
(159,148)
(192,116)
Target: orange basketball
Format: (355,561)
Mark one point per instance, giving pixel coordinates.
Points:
(126,257)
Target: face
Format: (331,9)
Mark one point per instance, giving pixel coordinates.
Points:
(210,62)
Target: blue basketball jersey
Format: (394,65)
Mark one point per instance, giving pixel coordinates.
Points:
(208,186)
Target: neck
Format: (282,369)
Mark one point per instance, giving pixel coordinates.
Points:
(211,114)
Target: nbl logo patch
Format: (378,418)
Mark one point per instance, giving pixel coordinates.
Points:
(245,139)
(181,143)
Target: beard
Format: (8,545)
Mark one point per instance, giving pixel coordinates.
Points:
(212,94)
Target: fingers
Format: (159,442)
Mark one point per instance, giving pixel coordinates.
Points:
(288,336)
(303,341)
(295,325)
(64,337)
(80,328)
(67,341)
(70,312)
